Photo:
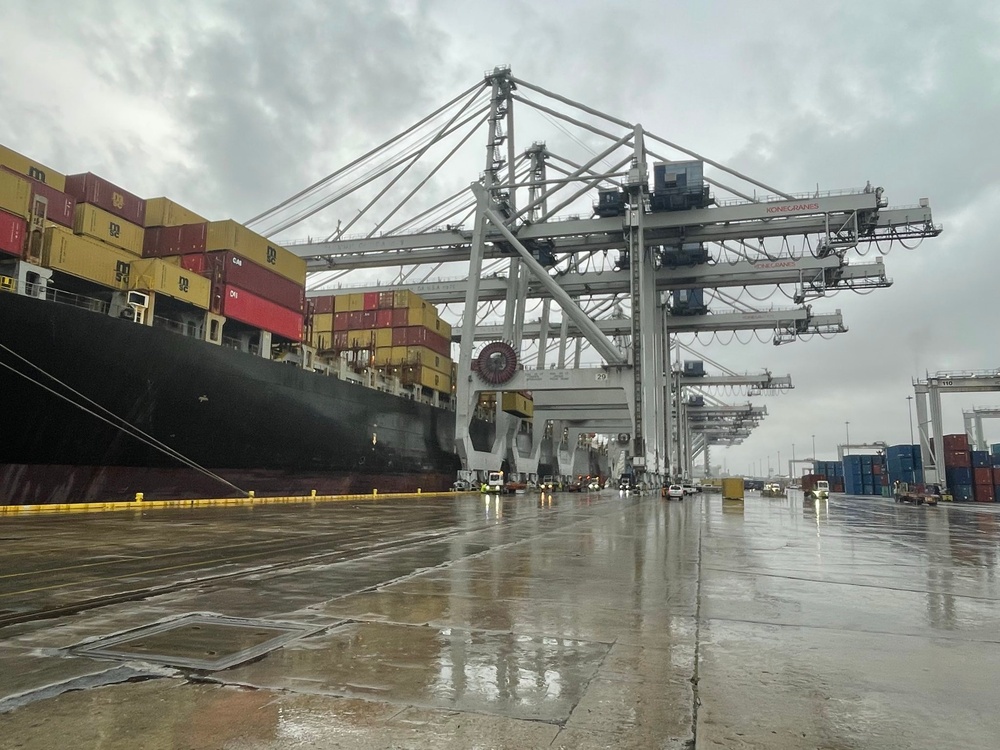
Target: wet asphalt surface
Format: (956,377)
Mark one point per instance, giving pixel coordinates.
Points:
(573,621)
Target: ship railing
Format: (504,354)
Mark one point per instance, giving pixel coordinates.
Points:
(77,300)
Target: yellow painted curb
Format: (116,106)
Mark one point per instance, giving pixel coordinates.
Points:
(16,510)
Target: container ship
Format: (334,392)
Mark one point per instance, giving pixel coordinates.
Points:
(145,349)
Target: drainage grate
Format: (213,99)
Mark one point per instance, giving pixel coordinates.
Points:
(204,642)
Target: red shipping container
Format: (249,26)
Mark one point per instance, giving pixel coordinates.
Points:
(89,188)
(383,318)
(983,493)
(996,475)
(368,319)
(183,240)
(957,459)
(371,300)
(982,476)
(420,336)
(323,305)
(876,468)
(61,206)
(339,340)
(197,263)
(13,230)
(385,300)
(355,320)
(400,317)
(255,311)
(341,321)
(958,442)
(237,271)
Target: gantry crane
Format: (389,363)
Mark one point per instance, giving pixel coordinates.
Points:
(671,238)
(930,422)
(974,424)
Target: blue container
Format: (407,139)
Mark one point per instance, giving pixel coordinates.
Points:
(995,459)
(961,492)
(980,459)
(958,475)
(995,449)
(901,463)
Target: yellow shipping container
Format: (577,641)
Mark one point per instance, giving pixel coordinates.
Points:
(86,258)
(410,300)
(732,488)
(229,235)
(22,164)
(421,355)
(340,303)
(15,194)
(428,378)
(383,337)
(518,405)
(355,302)
(359,339)
(163,212)
(155,275)
(323,322)
(97,223)
(445,329)
(383,356)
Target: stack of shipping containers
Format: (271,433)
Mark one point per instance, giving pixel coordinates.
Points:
(958,467)
(995,465)
(253,280)
(398,331)
(865,475)
(99,236)
(904,464)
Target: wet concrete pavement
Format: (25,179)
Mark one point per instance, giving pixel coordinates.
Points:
(576,621)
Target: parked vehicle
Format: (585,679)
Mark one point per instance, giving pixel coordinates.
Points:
(674,492)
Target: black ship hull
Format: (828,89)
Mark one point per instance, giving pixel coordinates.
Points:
(265,426)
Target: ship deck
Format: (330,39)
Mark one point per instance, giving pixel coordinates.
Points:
(574,621)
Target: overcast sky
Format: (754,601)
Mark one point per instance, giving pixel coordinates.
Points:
(230,107)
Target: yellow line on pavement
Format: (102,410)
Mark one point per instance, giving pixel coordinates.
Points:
(18,510)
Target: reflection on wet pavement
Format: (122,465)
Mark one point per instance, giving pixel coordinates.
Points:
(584,621)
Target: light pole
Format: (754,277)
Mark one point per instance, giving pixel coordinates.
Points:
(909,411)
(814,447)
(847,426)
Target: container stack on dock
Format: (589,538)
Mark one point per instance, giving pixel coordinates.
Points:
(865,475)
(397,332)
(958,467)
(904,464)
(833,472)
(995,468)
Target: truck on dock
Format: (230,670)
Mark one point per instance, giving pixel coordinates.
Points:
(815,487)
(917,494)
